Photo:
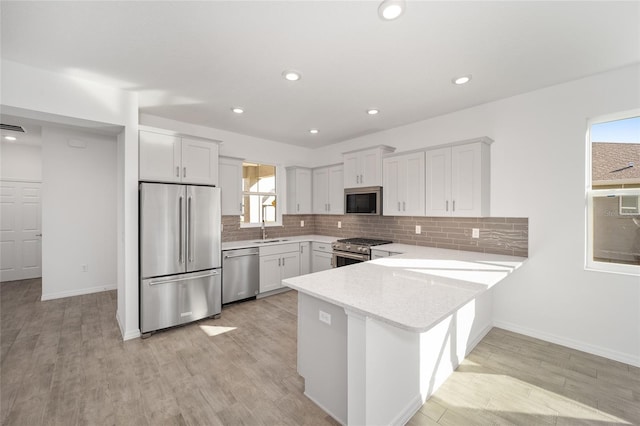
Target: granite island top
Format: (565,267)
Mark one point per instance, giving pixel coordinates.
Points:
(414,290)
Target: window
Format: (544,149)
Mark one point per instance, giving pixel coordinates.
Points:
(258,194)
(613,193)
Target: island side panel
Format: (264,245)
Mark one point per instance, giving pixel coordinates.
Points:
(322,354)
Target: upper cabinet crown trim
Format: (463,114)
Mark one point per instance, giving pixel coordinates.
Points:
(483,139)
(167,132)
(366,148)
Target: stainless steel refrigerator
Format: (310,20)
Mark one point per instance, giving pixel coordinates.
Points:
(180,266)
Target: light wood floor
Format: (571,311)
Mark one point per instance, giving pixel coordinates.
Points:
(63,362)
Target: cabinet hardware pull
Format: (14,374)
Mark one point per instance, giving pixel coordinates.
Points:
(279,260)
(398,205)
(454,205)
(177,171)
(447,208)
(404,207)
(184,172)
(361,179)
(298,206)
(283,261)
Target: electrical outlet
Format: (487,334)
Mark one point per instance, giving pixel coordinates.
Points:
(84,268)
(339,224)
(325,317)
(418,229)
(302,224)
(475,233)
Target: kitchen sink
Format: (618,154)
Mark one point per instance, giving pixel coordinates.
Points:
(268,241)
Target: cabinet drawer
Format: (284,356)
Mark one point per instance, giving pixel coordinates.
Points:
(279,249)
(324,247)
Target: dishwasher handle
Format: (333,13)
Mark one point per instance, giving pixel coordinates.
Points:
(226,256)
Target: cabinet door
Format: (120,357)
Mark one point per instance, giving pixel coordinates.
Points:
(159,157)
(290,265)
(320,261)
(230,186)
(391,197)
(413,185)
(199,162)
(270,275)
(320,190)
(466,180)
(299,191)
(336,190)
(438,181)
(370,166)
(305,258)
(352,170)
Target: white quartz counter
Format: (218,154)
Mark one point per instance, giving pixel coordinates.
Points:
(284,240)
(414,290)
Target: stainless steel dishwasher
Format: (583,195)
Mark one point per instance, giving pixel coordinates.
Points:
(240,274)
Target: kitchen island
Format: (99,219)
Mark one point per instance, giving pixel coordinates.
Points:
(376,339)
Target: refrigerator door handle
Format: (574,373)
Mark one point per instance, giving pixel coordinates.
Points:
(210,274)
(181,237)
(189,239)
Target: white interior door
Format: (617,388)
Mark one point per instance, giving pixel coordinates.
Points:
(20,230)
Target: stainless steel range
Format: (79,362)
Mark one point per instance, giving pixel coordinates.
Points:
(353,250)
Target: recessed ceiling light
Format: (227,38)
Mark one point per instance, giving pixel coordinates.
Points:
(237,110)
(291,75)
(462,80)
(373,111)
(10,138)
(314,131)
(391,9)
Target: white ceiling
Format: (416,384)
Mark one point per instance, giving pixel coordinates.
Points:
(193,61)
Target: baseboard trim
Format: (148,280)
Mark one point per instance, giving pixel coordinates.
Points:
(409,411)
(80,292)
(334,417)
(471,345)
(570,343)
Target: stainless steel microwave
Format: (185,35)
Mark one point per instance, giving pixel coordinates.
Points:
(363,200)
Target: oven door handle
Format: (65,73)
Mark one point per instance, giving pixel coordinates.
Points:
(354,256)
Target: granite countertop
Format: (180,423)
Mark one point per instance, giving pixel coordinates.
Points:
(283,240)
(414,290)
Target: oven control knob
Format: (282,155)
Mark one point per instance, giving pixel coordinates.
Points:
(364,249)
(347,247)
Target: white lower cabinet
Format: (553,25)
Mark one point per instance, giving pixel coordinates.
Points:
(321,257)
(277,263)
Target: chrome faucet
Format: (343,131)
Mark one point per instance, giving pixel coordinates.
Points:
(264,232)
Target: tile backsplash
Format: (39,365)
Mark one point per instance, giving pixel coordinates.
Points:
(500,235)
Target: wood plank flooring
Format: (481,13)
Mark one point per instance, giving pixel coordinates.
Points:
(62,362)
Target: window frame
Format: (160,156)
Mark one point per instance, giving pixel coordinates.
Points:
(590,194)
(277,193)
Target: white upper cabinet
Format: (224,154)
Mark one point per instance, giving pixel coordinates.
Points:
(298,190)
(404,185)
(199,161)
(159,157)
(364,167)
(328,190)
(458,180)
(230,170)
(168,158)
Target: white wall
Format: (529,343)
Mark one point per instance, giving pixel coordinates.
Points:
(236,145)
(20,162)
(57,97)
(79,199)
(537,171)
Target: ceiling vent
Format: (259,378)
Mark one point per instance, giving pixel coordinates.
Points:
(12,128)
